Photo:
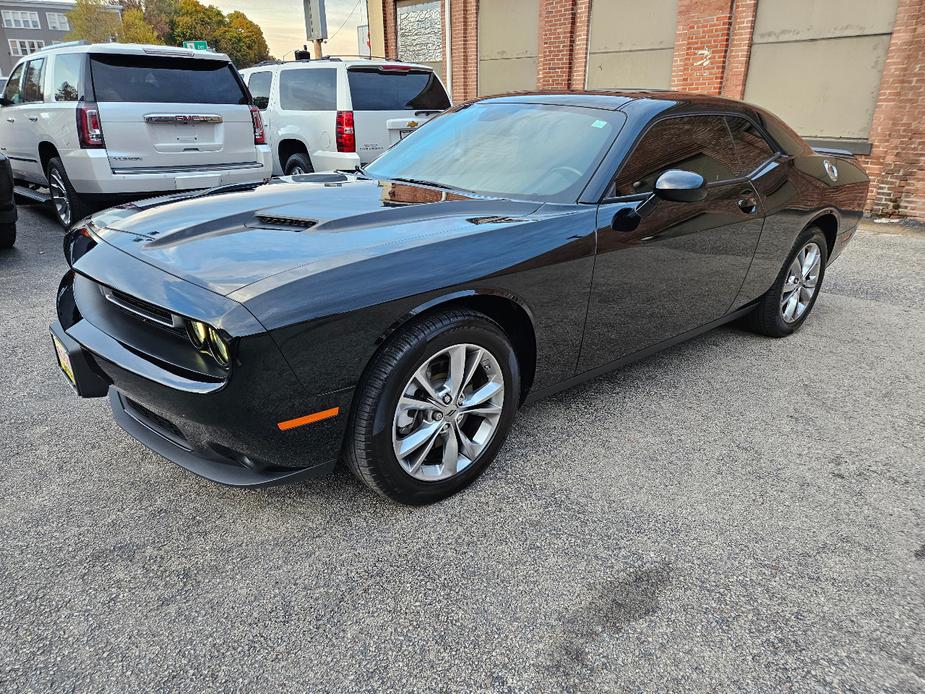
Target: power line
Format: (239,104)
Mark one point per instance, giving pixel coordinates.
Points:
(345,21)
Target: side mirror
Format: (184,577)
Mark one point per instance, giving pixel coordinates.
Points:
(678,185)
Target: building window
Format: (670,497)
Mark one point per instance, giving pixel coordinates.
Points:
(57,21)
(25,46)
(14,19)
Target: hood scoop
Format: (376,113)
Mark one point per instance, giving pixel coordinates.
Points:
(278,221)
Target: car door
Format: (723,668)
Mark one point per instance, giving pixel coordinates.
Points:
(28,127)
(679,267)
(10,142)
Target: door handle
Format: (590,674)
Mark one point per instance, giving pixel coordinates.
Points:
(33,118)
(748,205)
(10,120)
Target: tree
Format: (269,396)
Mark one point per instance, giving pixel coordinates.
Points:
(193,21)
(94,21)
(135,29)
(242,40)
(159,14)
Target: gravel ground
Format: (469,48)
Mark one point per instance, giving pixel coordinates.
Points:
(737,513)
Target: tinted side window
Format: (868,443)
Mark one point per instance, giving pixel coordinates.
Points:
(259,84)
(701,144)
(375,90)
(12,93)
(32,82)
(158,80)
(66,83)
(752,150)
(308,90)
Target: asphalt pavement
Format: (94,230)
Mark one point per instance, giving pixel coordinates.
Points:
(737,513)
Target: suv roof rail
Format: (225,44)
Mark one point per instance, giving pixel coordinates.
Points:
(263,63)
(81,42)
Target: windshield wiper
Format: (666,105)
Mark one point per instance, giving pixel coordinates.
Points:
(420,182)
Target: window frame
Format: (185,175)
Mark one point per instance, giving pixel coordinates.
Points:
(22,71)
(251,76)
(60,16)
(778,152)
(83,85)
(17,15)
(332,70)
(41,86)
(13,53)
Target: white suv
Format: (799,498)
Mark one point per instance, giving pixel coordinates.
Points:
(332,114)
(99,123)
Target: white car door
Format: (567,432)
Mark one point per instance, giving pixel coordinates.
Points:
(28,127)
(10,142)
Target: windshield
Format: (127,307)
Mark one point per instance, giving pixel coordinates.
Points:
(528,151)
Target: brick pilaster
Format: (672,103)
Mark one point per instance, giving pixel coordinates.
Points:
(897,160)
(701,45)
(464,35)
(740,47)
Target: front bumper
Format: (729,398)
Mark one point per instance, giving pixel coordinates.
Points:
(226,430)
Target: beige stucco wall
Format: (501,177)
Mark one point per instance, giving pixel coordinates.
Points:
(508,45)
(631,43)
(817,63)
(376,27)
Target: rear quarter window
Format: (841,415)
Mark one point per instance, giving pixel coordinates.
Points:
(66,81)
(373,89)
(156,79)
(309,89)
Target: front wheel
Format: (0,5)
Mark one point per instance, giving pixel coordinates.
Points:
(434,407)
(784,308)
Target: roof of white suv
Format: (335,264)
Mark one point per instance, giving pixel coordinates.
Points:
(328,61)
(129,49)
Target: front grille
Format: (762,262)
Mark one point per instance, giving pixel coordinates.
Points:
(155,421)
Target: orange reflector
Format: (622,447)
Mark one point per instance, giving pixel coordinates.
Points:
(308,419)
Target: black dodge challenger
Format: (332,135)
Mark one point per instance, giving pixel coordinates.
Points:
(397,317)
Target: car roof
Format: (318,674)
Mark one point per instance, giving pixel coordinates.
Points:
(617,99)
(329,61)
(128,49)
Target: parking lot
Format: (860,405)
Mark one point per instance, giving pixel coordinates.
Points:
(737,512)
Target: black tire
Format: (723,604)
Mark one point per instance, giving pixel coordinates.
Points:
(77,209)
(767,319)
(299,164)
(368,450)
(7,235)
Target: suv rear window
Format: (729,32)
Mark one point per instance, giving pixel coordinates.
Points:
(155,79)
(373,89)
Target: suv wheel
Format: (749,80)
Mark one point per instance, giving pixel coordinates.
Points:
(299,164)
(68,206)
(434,407)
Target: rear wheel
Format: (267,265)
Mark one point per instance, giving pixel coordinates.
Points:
(299,164)
(785,306)
(7,235)
(68,206)
(434,407)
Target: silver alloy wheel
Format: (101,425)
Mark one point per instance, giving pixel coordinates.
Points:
(801,283)
(448,412)
(296,171)
(59,197)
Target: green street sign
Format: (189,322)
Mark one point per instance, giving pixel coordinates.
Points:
(196,45)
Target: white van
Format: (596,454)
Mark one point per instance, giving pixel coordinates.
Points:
(329,114)
(96,123)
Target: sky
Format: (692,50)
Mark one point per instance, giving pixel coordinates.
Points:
(283,22)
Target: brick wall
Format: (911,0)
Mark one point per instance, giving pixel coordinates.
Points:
(701,42)
(742,26)
(464,35)
(896,164)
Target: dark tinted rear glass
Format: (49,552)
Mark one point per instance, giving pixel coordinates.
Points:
(383,90)
(259,84)
(151,79)
(752,150)
(311,89)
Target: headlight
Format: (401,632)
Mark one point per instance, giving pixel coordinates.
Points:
(198,333)
(209,341)
(219,348)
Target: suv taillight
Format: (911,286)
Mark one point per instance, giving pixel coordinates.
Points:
(89,129)
(260,135)
(344,132)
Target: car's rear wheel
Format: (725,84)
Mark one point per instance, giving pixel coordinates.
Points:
(68,206)
(434,407)
(785,306)
(7,235)
(298,164)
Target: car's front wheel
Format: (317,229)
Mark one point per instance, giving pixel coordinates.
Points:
(784,308)
(68,206)
(434,407)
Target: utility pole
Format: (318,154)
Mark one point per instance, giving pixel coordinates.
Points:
(316,23)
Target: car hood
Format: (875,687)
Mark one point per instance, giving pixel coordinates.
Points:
(224,241)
